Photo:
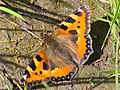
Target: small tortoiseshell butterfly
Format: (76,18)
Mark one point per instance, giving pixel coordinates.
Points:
(63,50)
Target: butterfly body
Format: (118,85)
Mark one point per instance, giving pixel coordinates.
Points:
(62,51)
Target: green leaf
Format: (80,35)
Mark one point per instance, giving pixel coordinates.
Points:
(7,10)
(110,71)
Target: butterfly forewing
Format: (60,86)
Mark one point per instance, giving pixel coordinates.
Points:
(77,26)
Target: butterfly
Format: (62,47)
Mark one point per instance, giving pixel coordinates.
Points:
(63,50)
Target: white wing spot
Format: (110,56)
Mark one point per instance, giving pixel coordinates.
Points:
(80,10)
(24,76)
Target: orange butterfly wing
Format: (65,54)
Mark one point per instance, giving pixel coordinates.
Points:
(78,26)
(39,70)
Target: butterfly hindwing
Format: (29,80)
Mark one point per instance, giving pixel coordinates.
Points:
(63,74)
